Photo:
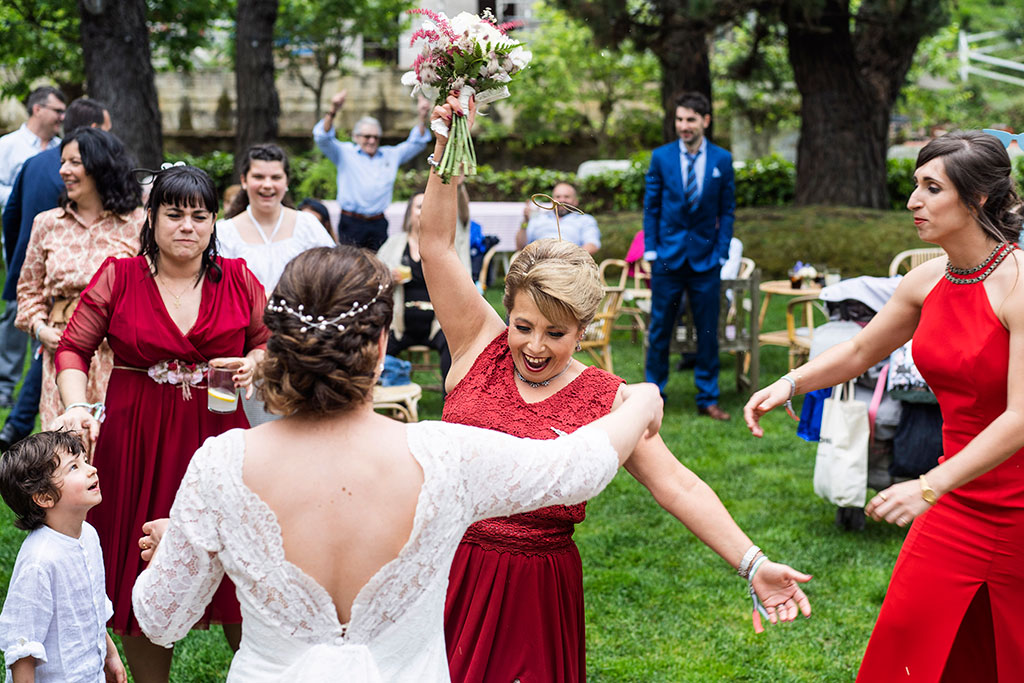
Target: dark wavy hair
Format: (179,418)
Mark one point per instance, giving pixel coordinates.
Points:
(27,470)
(182,186)
(323,372)
(110,164)
(697,101)
(979,167)
(264,152)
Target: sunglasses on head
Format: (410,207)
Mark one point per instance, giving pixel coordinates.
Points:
(1006,138)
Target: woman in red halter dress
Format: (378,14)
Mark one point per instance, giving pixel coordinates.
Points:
(515,596)
(952,609)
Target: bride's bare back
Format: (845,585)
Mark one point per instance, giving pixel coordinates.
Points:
(345,496)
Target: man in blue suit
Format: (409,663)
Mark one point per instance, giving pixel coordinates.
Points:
(37,188)
(689,205)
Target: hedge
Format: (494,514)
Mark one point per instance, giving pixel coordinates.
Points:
(770,181)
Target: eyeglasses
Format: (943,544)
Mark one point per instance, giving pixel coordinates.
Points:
(58,110)
(368,137)
(1005,138)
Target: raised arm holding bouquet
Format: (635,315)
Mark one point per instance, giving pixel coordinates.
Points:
(468,56)
(515,591)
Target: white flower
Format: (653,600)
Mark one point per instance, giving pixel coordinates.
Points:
(520,57)
(429,91)
(428,73)
(409,78)
(477,29)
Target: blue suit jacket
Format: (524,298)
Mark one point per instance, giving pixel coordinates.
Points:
(700,238)
(36,189)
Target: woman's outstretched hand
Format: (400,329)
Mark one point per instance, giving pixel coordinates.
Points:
(772,396)
(777,585)
(451,108)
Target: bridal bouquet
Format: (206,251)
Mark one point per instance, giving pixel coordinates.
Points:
(469,55)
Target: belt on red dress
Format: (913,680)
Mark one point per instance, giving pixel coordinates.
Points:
(362,216)
(525,542)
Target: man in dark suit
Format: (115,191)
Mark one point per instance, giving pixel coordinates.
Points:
(37,188)
(688,215)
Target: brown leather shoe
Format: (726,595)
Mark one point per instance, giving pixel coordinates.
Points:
(714,412)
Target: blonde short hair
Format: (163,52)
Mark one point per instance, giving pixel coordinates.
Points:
(560,277)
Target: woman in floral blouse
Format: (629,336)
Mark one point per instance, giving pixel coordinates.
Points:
(100,217)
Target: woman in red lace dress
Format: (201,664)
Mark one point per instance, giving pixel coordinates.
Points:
(952,609)
(167,314)
(515,595)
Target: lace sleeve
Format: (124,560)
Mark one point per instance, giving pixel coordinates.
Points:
(504,475)
(173,592)
(90,321)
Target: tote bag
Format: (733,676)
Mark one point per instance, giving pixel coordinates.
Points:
(841,465)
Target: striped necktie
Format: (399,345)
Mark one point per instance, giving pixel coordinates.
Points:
(690,189)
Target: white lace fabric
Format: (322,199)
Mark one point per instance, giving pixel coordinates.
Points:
(395,632)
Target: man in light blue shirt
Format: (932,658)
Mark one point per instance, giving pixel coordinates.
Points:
(46,106)
(366,171)
(580,229)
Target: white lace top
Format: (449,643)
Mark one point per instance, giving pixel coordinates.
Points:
(395,632)
(267,260)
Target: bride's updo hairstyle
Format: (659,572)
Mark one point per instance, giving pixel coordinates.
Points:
(979,168)
(312,367)
(560,277)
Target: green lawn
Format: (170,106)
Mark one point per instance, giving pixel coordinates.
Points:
(660,605)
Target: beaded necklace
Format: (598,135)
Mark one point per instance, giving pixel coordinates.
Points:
(970,276)
(549,380)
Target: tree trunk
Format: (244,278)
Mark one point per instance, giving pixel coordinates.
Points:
(848,84)
(258,104)
(683,54)
(843,134)
(119,73)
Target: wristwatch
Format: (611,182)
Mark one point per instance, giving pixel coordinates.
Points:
(927,492)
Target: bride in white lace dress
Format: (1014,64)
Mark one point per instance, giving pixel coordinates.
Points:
(336,524)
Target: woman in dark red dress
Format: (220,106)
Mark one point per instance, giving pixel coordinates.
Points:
(515,596)
(167,314)
(953,606)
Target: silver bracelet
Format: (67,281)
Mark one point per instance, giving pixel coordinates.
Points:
(789,401)
(97,410)
(758,610)
(748,557)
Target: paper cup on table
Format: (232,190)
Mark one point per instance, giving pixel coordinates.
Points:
(221,394)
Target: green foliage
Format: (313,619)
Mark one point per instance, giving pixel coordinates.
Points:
(766,182)
(573,90)
(41,39)
(857,241)
(754,81)
(900,181)
(314,176)
(219,165)
(923,100)
(323,33)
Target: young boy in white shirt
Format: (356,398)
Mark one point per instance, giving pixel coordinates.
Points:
(53,624)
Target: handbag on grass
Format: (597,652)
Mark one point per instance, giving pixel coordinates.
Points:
(841,465)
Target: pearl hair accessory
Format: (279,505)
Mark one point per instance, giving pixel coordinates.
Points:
(319,322)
